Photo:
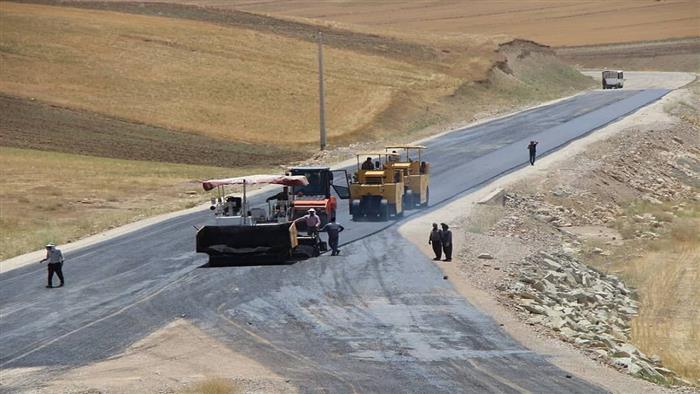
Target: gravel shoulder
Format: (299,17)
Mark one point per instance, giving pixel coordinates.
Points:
(477,283)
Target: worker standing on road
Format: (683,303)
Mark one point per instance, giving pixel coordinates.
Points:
(367,164)
(446,241)
(436,241)
(333,229)
(311,220)
(54,257)
(533,151)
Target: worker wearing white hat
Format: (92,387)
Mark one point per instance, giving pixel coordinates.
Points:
(54,257)
(312,221)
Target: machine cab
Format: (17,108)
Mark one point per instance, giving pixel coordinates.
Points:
(320,181)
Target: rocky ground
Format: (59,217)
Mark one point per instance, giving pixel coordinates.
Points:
(544,245)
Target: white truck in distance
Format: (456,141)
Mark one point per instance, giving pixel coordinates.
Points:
(613,79)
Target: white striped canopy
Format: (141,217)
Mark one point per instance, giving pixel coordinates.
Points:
(285,180)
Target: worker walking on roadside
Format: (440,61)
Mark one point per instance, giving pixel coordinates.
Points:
(54,257)
(367,164)
(435,240)
(333,229)
(312,221)
(446,241)
(533,151)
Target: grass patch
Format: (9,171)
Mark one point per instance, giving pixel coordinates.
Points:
(665,271)
(483,217)
(57,197)
(215,386)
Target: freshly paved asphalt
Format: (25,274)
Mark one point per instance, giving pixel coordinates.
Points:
(379,318)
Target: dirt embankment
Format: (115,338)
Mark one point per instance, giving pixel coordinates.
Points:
(522,73)
(601,250)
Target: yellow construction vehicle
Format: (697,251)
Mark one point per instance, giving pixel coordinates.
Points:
(416,172)
(377,189)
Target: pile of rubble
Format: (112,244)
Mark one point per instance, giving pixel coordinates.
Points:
(656,181)
(585,307)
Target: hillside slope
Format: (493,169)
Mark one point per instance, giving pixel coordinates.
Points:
(113,93)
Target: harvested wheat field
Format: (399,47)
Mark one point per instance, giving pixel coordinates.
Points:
(227,82)
(555,23)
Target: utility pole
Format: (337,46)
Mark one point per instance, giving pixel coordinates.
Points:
(322,115)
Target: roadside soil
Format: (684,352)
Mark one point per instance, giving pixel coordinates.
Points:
(515,237)
(664,55)
(179,358)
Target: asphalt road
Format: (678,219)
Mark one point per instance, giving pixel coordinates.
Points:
(379,318)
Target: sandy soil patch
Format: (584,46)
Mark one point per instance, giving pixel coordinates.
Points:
(172,359)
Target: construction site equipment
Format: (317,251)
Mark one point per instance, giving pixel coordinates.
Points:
(416,174)
(613,79)
(317,194)
(243,233)
(377,192)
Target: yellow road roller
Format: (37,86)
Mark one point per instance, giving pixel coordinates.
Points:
(377,188)
(416,173)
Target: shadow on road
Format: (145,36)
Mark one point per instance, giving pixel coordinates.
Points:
(228,262)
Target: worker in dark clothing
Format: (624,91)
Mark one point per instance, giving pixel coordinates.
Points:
(281,196)
(333,229)
(55,259)
(436,241)
(446,241)
(367,164)
(533,151)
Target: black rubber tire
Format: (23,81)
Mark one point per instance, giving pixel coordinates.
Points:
(409,200)
(383,210)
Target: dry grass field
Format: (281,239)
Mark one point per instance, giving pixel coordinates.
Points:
(666,273)
(58,197)
(219,81)
(555,23)
(669,321)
